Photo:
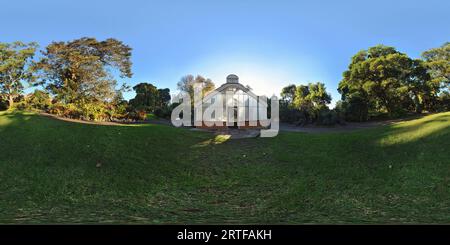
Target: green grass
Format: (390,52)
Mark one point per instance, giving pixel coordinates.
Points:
(159,174)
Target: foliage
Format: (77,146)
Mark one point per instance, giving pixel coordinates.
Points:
(80,71)
(288,93)
(437,60)
(306,104)
(137,115)
(3,105)
(354,108)
(79,74)
(444,101)
(164,111)
(163,97)
(381,79)
(150,99)
(39,100)
(186,84)
(146,97)
(15,60)
(92,111)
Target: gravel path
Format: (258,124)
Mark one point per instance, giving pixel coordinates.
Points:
(248,133)
(337,128)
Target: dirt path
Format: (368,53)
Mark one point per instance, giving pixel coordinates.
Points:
(152,121)
(349,126)
(323,129)
(78,121)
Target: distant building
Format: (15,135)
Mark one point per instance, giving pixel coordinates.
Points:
(238,104)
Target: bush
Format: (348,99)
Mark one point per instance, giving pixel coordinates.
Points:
(329,117)
(21,105)
(163,112)
(39,100)
(354,108)
(137,115)
(56,109)
(444,101)
(98,111)
(3,105)
(119,111)
(72,111)
(319,115)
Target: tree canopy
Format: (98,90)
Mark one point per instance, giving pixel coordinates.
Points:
(186,84)
(82,69)
(163,97)
(15,67)
(437,60)
(305,103)
(146,96)
(385,80)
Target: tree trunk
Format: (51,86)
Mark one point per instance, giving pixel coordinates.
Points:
(11,102)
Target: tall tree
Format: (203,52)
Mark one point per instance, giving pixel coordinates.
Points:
(437,60)
(82,69)
(422,89)
(288,93)
(186,84)
(15,67)
(146,97)
(311,99)
(318,94)
(301,99)
(313,95)
(163,97)
(381,74)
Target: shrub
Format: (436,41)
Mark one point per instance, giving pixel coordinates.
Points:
(444,101)
(163,112)
(119,110)
(329,117)
(354,108)
(3,105)
(94,112)
(39,100)
(21,105)
(137,115)
(56,109)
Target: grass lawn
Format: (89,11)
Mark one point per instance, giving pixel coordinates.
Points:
(59,172)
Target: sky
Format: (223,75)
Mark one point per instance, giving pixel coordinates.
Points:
(268,44)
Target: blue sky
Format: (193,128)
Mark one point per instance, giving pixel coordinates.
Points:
(268,44)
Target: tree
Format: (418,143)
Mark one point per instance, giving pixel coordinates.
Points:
(81,71)
(355,107)
(318,94)
(146,98)
(383,76)
(163,97)
(423,90)
(38,99)
(15,61)
(437,61)
(186,84)
(312,96)
(288,93)
(311,100)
